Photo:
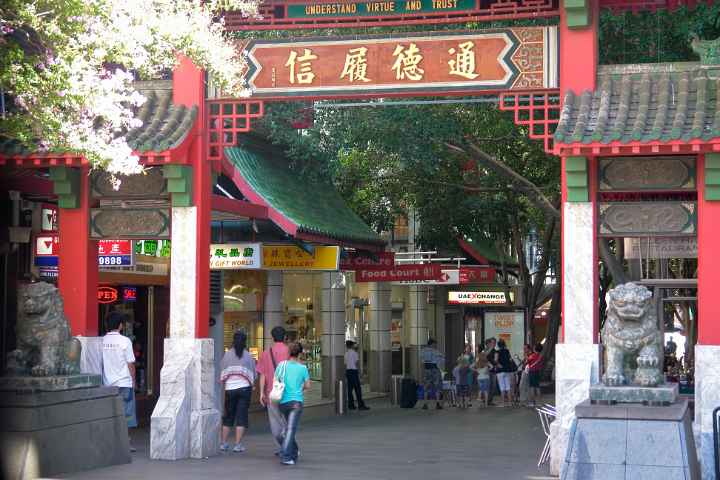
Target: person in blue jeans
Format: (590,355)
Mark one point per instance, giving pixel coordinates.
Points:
(296,378)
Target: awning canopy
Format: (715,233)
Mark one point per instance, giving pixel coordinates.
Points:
(308,211)
(484,252)
(643,109)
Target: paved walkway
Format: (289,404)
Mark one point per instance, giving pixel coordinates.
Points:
(384,443)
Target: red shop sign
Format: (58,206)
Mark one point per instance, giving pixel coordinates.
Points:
(356,262)
(107,294)
(115,247)
(400,273)
(477,274)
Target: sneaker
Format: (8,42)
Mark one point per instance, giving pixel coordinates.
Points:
(239,448)
(288,462)
(224,447)
(424,407)
(364,407)
(438,406)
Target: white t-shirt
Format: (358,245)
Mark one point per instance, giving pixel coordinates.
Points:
(351,360)
(117,353)
(235,382)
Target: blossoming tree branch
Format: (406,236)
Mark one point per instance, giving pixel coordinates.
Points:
(67,68)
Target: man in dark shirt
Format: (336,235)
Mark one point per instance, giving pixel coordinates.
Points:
(491,355)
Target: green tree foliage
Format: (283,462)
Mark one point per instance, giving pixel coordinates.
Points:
(654,37)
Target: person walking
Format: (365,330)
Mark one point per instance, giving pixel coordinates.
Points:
(296,378)
(352,375)
(535,367)
(237,373)
(269,360)
(490,353)
(505,371)
(119,365)
(460,372)
(432,378)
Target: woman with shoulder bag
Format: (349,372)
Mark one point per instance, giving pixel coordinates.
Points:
(238,375)
(295,379)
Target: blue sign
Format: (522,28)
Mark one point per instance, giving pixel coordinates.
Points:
(115,260)
(46,261)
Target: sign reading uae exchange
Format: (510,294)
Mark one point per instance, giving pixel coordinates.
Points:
(429,62)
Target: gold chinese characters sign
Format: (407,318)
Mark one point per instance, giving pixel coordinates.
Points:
(290,257)
(435,62)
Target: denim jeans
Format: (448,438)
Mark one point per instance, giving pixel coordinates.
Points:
(353,385)
(292,412)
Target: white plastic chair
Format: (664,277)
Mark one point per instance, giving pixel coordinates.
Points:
(545,414)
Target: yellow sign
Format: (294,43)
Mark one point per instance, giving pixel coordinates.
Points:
(290,257)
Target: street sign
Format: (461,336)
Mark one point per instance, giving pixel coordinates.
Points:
(425,62)
(431,271)
(478,298)
(446,277)
(232,256)
(115,253)
(354,261)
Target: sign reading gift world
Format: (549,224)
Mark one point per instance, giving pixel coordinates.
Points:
(232,256)
(429,62)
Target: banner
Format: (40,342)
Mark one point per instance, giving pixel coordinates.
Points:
(290,257)
(424,62)
(232,256)
(115,253)
(508,326)
(399,273)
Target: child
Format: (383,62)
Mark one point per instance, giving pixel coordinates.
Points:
(483,378)
(460,372)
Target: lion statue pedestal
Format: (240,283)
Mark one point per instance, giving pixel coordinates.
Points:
(633,425)
(53,418)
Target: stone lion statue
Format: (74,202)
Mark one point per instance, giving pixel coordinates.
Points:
(632,340)
(44,344)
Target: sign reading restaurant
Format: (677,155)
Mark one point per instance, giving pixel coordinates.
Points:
(478,298)
(371,9)
(429,62)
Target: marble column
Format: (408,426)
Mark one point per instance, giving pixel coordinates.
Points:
(417,328)
(186,421)
(274,312)
(332,310)
(577,358)
(707,398)
(380,360)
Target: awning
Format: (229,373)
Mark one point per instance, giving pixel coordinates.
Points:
(308,211)
(648,108)
(484,252)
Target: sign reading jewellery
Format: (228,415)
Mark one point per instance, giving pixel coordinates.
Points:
(232,256)
(466,61)
(290,257)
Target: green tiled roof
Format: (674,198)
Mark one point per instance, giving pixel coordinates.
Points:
(165,125)
(644,103)
(315,208)
(484,248)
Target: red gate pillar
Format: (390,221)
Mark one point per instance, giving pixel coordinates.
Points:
(577,357)
(77,259)
(707,350)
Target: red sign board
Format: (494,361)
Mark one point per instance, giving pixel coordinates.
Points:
(355,262)
(114,247)
(477,274)
(430,62)
(399,273)
(107,294)
(47,245)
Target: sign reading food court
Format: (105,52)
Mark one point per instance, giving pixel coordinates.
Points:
(478,298)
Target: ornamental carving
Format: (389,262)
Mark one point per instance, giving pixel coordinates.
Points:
(130,223)
(149,184)
(648,218)
(647,173)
